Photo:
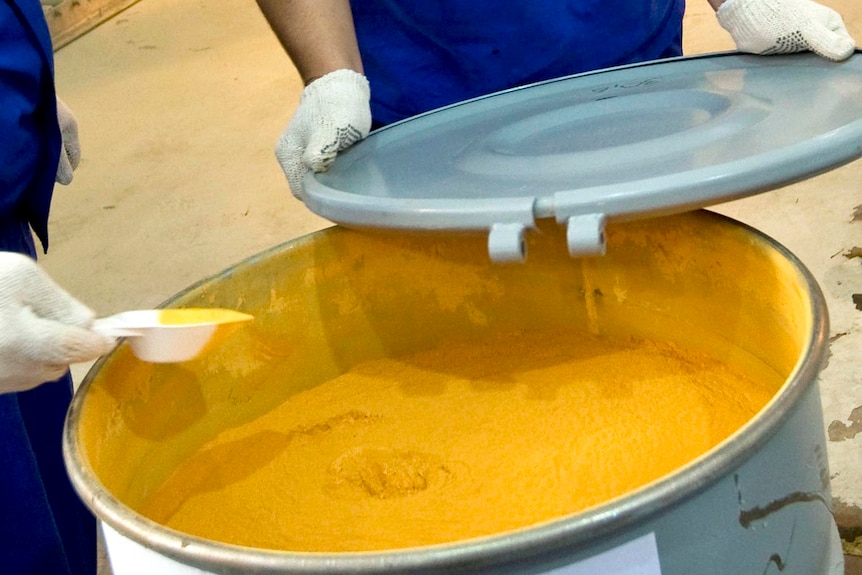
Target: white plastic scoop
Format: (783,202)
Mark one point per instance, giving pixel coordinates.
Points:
(167,335)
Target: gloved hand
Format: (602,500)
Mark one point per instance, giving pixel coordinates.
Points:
(785,26)
(70,153)
(42,328)
(334,113)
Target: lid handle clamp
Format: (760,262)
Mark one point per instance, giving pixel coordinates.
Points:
(585,235)
(506,243)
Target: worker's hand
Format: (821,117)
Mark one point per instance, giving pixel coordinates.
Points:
(70,152)
(42,328)
(785,26)
(333,114)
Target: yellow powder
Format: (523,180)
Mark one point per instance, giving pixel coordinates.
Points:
(191,316)
(457,442)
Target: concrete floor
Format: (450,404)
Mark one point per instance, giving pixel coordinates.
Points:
(179,104)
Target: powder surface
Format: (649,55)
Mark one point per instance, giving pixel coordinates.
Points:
(461,441)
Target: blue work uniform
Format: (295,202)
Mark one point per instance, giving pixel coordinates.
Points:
(44,527)
(421,55)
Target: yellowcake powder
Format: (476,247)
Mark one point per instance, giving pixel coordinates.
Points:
(461,441)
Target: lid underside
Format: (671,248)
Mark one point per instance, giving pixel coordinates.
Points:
(630,142)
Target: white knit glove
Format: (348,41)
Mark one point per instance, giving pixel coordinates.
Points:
(334,113)
(70,152)
(785,26)
(42,328)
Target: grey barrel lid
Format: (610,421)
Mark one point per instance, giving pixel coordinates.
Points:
(618,144)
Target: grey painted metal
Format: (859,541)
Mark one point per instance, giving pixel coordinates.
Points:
(625,143)
(760,503)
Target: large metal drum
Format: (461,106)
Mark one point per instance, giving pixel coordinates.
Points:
(759,502)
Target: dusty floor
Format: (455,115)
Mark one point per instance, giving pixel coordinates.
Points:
(179,104)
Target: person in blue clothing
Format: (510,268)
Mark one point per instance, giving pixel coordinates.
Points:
(44,527)
(368,63)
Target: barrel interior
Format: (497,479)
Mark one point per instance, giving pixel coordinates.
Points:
(337,299)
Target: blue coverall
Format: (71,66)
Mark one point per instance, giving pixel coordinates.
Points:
(421,55)
(44,527)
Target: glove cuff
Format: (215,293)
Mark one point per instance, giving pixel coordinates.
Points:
(339,81)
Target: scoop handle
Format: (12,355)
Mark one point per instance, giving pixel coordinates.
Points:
(106,326)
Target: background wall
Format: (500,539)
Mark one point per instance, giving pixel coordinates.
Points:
(68,19)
